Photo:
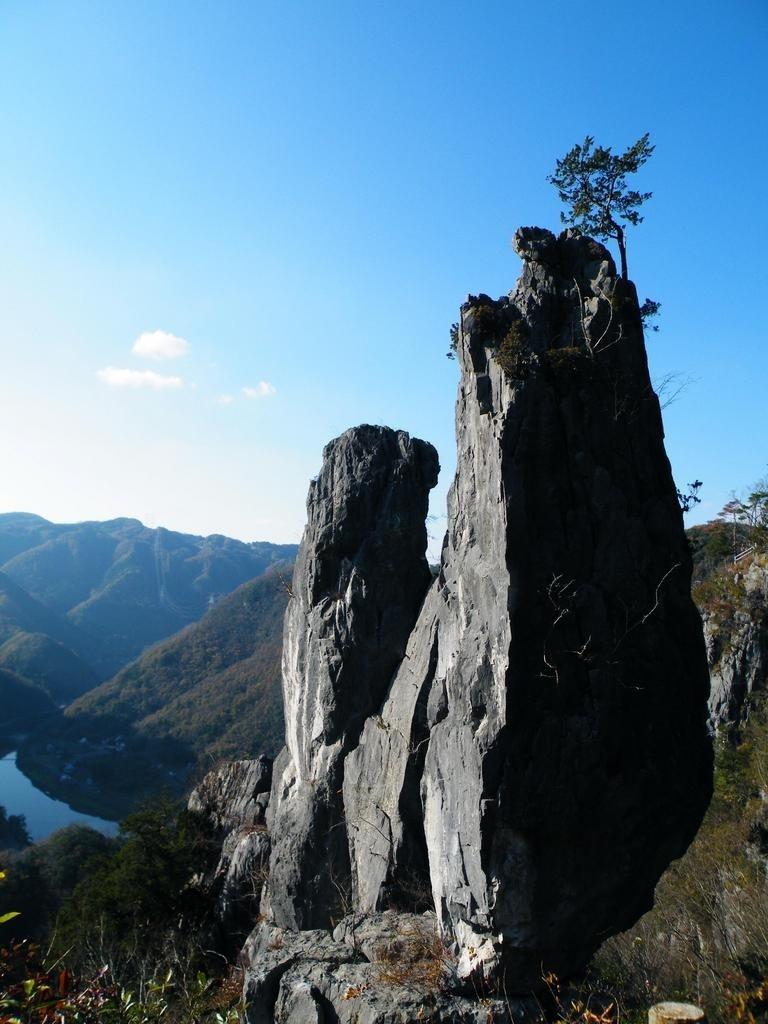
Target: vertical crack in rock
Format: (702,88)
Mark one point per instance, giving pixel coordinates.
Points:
(360,578)
(549,717)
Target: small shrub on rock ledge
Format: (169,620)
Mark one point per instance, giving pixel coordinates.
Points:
(514,354)
(485,321)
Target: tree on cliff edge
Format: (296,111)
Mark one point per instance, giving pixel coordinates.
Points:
(593,184)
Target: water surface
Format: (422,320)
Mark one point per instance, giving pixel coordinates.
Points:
(44,814)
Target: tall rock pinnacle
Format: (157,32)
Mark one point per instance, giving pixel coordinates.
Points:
(542,754)
(360,578)
(521,746)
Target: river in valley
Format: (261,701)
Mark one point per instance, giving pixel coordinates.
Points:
(44,814)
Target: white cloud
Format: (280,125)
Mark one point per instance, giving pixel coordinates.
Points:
(262,390)
(225,399)
(160,345)
(116,377)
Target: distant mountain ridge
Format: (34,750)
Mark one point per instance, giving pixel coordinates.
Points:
(211,691)
(19,611)
(192,686)
(80,601)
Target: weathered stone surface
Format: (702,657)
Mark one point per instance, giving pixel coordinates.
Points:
(234,798)
(243,871)
(304,976)
(234,795)
(529,756)
(359,580)
(355,994)
(542,753)
(377,936)
(737,648)
(271,952)
(299,1002)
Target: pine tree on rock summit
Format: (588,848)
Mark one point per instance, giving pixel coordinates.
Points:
(592,181)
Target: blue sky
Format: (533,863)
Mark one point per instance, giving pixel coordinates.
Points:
(305,193)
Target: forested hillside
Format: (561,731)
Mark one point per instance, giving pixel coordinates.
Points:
(80,601)
(215,686)
(211,691)
(23,701)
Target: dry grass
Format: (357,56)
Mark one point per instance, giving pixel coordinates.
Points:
(256,828)
(416,958)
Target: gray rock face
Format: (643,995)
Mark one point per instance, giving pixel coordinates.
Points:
(271,953)
(234,799)
(234,795)
(241,876)
(352,993)
(380,936)
(524,750)
(305,976)
(359,580)
(542,755)
(737,649)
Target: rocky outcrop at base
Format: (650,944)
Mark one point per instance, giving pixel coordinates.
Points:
(233,799)
(380,969)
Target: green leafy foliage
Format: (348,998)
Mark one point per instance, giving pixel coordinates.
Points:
(690,497)
(34,990)
(484,320)
(193,686)
(712,545)
(514,354)
(62,673)
(740,528)
(7,915)
(126,946)
(649,310)
(720,594)
(706,939)
(707,936)
(592,182)
(42,875)
(569,364)
(751,513)
(13,831)
(20,612)
(141,894)
(454,335)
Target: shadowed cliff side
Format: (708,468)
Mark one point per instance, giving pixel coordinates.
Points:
(542,753)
